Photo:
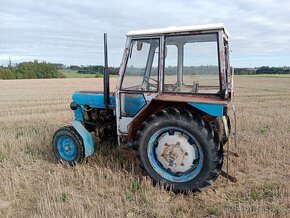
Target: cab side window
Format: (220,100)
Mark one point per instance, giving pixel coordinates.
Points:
(141,73)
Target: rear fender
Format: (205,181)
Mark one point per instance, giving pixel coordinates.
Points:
(213,110)
(86,136)
(216,110)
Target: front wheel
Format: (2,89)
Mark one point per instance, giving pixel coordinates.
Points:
(68,146)
(179,150)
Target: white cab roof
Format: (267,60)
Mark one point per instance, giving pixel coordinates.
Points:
(173,29)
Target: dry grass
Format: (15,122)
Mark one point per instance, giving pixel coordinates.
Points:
(111,184)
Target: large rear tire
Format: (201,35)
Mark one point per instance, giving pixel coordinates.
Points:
(180,150)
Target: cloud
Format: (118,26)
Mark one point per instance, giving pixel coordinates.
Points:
(70,31)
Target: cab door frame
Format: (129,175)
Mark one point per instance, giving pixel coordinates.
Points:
(145,96)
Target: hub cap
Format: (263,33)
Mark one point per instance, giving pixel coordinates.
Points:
(175,154)
(66,148)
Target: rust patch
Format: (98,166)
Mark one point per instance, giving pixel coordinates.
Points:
(192,98)
(136,123)
(208,117)
(227,176)
(223,70)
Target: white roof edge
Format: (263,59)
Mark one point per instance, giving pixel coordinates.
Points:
(172,29)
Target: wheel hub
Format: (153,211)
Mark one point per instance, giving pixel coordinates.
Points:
(66,148)
(175,152)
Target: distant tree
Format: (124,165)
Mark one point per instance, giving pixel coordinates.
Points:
(30,70)
(58,66)
(6,73)
(74,67)
(245,71)
(114,70)
(272,70)
(94,69)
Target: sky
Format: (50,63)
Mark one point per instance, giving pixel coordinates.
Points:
(71,32)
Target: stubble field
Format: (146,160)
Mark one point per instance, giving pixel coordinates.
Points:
(111,184)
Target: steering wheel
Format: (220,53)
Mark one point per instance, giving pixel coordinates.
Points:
(147,79)
(176,89)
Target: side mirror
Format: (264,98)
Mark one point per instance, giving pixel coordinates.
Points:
(139,46)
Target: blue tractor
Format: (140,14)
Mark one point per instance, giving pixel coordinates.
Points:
(171,104)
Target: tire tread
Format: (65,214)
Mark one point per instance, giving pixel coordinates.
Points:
(207,130)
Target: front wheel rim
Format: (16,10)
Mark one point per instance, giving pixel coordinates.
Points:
(175,154)
(66,148)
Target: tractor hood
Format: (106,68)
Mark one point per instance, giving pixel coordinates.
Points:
(92,99)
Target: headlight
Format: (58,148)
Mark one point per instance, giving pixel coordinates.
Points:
(73,106)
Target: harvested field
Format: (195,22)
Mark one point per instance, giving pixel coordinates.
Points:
(111,184)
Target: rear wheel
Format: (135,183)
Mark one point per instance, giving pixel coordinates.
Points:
(180,150)
(68,146)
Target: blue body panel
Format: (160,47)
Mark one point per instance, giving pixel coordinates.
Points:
(86,136)
(133,103)
(79,114)
(94,100)
(211,109)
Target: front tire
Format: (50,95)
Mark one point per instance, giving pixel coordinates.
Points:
(68,146)
(180,150)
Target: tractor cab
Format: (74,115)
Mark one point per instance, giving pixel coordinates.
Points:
(170,104)
(183,62)
(174,64)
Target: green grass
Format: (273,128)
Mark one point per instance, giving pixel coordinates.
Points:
(75,74)
(136,186)
(129,197)
(214,212)
(63,197)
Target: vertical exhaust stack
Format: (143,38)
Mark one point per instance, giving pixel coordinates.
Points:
(106,74)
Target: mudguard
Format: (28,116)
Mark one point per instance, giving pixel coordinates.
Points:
(212,109)
(86,136)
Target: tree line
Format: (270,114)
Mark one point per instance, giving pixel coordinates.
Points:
(171,70)
(43,70)
(262,70)
(30,70)
(93,69)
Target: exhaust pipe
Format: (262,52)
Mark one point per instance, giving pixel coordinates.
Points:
(106,74)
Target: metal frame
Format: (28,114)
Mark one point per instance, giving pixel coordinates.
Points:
(219,62)
(119,89)
(126,62)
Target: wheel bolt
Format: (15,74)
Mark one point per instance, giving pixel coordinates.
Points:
(182,164)
(186,153)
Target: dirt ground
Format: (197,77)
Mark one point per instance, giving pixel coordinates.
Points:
(111,184)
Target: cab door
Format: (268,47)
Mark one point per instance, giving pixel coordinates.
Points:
(139,82)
